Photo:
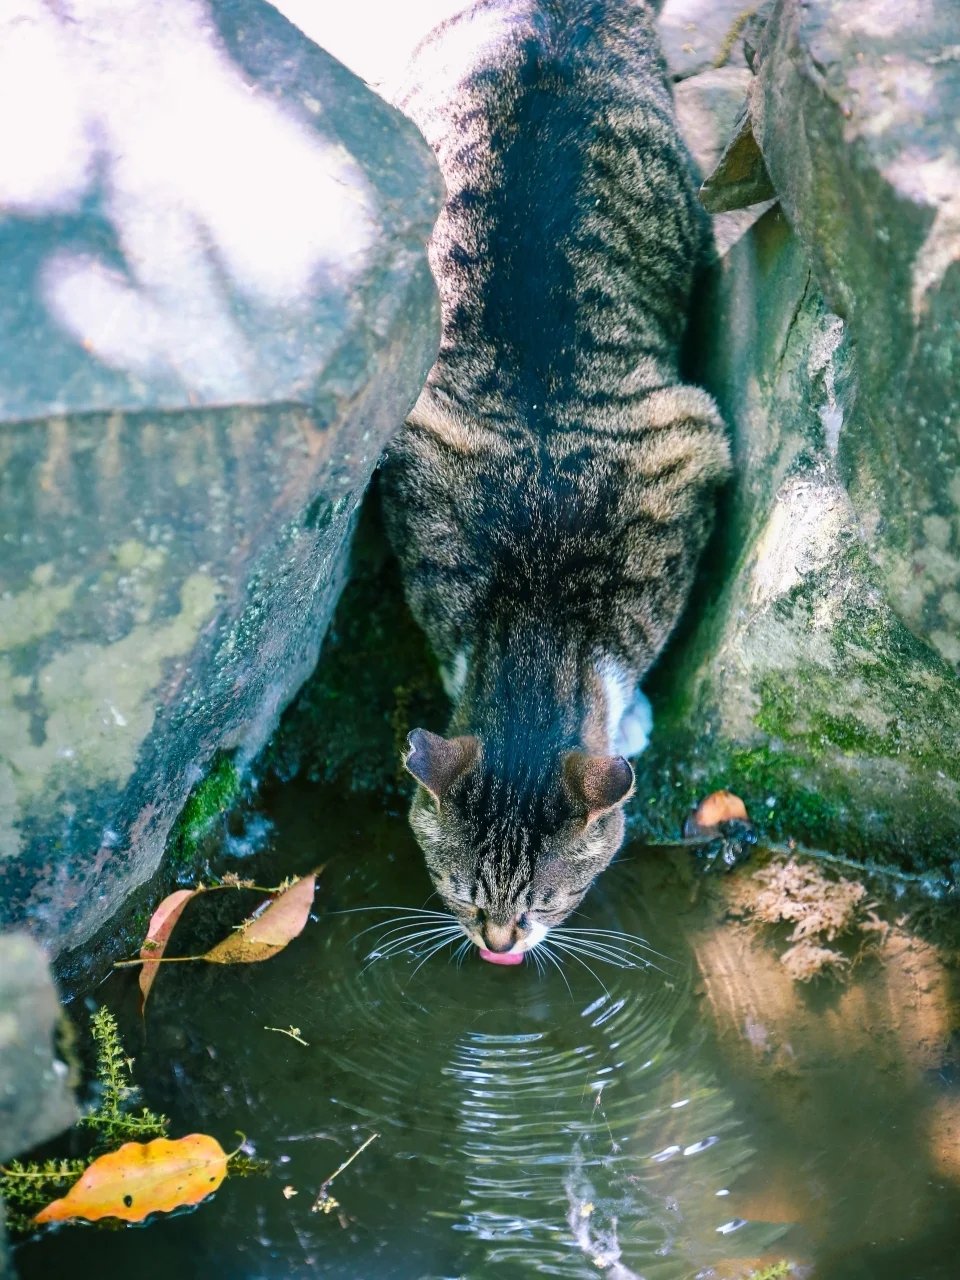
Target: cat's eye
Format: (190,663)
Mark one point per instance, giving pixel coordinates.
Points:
(523,921)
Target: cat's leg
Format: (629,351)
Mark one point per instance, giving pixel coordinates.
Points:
(453,676)
(629,714)
(635,727)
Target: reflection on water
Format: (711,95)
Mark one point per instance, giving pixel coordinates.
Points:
(571,1125)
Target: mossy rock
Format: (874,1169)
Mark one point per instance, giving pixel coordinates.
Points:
(794,681)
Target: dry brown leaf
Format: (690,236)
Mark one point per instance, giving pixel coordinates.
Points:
(162,923)
(265,934)
(143,1178)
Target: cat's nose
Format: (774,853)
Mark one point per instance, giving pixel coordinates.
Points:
(499,937)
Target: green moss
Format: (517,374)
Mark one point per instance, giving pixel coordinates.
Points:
(776,1271)
(100,698)
(764,775)
(207,802)
(807,714)
(376,680)
(860,809)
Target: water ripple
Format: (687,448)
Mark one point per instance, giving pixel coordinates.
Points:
(566,1136)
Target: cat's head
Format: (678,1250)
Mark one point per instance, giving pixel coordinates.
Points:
(512,858)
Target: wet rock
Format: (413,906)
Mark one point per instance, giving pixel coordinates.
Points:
(215,308)
(855,113)
(376,676)
(738,177)
(710,107)
(699,34)
(35,1100)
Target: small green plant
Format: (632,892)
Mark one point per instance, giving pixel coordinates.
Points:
(776,1271)
(113,1119)
(26,1187)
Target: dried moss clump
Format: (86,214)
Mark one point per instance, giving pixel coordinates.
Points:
(821,908)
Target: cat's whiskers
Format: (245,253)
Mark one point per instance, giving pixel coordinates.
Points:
(390,927)
(618,935)
(581,961)
(388,906)
(619,957)
(408,940)
(411,940)
(401,940)
(439,947)
(621,953)
(411,916)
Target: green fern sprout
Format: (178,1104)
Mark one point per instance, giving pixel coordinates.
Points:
(113,1119)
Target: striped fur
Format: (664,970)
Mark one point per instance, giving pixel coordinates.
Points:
(554,485)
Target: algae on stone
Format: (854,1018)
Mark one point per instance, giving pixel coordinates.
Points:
(209,800)
(855,111)
(177,496)
(794,681)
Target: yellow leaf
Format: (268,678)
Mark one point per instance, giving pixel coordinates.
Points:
(269,932)
(143,1178)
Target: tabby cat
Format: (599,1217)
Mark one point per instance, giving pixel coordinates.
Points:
(553,487)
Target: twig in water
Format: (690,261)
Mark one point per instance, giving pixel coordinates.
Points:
(292,1032)
(325,1203)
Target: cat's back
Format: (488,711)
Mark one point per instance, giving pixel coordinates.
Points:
(571,227)
(498,49)
(555,462)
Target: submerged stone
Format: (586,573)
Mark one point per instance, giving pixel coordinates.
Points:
(36,1102)
(215,309)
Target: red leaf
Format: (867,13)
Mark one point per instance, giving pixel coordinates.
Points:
(162,924)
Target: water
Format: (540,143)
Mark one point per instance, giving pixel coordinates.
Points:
(569,1125)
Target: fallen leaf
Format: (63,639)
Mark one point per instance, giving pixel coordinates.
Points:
(162,924)
(142,1178)
(269,932)
(717,808)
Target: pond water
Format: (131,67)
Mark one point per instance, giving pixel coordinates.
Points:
(569,1124)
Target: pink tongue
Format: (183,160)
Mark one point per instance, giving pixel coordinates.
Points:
(501,957)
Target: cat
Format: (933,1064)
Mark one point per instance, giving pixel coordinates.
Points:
(552,488)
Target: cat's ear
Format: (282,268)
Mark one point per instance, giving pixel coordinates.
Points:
(437,762)
(597,783)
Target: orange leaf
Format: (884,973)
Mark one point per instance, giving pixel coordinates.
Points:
(720,806)
(143,1178)
(266,934)
(161,926)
